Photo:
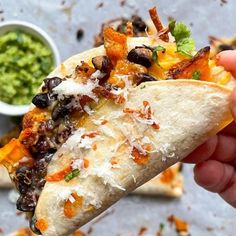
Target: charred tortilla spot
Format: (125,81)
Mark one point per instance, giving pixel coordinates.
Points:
(141,55)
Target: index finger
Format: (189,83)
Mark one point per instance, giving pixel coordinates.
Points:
(227,59)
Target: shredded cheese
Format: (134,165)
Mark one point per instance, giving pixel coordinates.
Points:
(167,151)
(70,87)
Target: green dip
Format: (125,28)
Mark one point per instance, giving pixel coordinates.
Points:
(24,62)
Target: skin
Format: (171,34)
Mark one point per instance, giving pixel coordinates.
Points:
(215,160)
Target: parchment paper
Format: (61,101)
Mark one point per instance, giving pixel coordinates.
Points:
(206,213)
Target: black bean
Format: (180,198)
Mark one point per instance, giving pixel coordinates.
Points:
(42,146)
(40,184)
(141,55)
(224,47)
(102,63)
(51,83)
(32,226)
(138,24)
(27,202)
(41,100)
(40,167)
(23,179)
(79,34)
(46,126)
(142,77)
(61,110)
(121,28)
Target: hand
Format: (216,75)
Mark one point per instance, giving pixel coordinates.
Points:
(215,160)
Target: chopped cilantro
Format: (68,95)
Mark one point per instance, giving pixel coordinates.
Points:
(74,173)
(196,75)
(159,48)
(161,227)
(184,41)
(144,86)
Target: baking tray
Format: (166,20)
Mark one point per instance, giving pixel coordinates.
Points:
(206,213)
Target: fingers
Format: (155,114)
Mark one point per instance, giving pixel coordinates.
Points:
(230,129)
(217,177)
(203,152)
(227,59)
(221,148)
(225,150)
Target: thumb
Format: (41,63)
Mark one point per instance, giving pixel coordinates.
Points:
(233,103)
(227,59)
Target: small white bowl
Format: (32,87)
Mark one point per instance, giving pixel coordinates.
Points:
(17,110)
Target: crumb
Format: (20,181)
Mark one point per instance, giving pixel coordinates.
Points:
(161,228)
(100,5)
(191,24)
(79,34)
(90,230)
(222,228)
(2,19)
(21,10)
(122,2)
(142,231)
(1,230)
(170,18)
(189,208)
(78,233)
(223,2)
(63,2)
(209,229)
(181,226)
(1,11)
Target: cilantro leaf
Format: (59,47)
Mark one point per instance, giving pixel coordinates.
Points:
(157,49)
(196,75)
(74,173)
(186,46)
(181,33)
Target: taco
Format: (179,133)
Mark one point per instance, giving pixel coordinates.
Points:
(108,120)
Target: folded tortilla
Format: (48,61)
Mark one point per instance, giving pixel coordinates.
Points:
(5,181)
(168,183)
(128,149)
(188,113)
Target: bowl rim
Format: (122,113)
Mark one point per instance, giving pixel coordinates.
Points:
(18,110)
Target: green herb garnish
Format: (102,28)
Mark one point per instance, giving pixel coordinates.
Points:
(144,86)
(157,49)
(196,75)
(184,41)
(161,227)
(74,173)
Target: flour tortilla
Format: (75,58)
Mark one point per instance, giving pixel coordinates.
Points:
(189,112)
(158,187)
(5,181)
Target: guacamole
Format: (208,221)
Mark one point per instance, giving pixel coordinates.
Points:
(24,62)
